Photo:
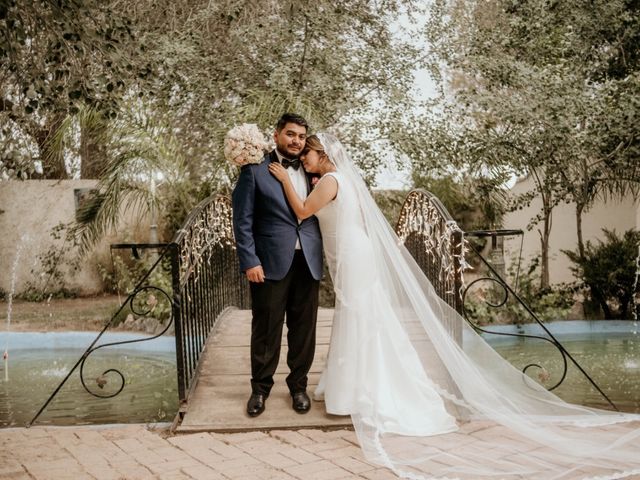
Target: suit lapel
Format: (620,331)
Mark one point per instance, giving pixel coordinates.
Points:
(272,157)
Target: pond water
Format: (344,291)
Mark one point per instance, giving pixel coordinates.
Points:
(609,351)
(38,362)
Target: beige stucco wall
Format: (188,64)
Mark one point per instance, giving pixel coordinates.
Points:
(613,215)
(30,209)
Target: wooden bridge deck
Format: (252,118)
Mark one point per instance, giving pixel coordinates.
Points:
(219,399)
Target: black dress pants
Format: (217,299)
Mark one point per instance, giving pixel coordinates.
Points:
(297,296)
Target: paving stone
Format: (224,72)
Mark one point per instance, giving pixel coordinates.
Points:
(205,456)
(202,472)
(65,438)
(60,464)
(229,467)
(130,445)
(16,476)
(299,455)
(322,470)
(264,445)
(191,440)
(235,438)
(379,474)
(36,432)
(103,472)
(353,465)
(276,460)
(317,435)
(173,466)
(170,453)
(335,445)
(134,471)
(174,476)
(91,437)
(262,472)
(291,437)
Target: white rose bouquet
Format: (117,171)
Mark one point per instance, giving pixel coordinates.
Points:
(244,144)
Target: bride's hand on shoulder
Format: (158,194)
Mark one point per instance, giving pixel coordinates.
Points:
(278,171)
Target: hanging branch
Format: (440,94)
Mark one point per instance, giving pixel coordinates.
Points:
(636,295)
(304,51)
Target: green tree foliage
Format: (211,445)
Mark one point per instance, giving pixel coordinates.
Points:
(228,62)
(144,171)
(534,88)
(54,57)
(203,66)
(187,71)
(475,203)
(607,269)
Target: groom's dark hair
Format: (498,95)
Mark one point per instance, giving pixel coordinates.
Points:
(291,118)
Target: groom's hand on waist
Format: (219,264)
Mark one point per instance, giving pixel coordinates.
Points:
(255,274)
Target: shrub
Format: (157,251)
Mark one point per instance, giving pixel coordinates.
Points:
(54,268)
(607,272)
(123,275)
(552,303)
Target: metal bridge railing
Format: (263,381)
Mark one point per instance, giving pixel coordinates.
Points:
(205,280)
(439,247)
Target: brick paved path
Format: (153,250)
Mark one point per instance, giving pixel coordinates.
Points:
(134,452)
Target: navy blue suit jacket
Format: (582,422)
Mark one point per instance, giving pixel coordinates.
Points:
(265,226)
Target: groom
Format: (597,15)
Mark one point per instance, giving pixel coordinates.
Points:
(282,259)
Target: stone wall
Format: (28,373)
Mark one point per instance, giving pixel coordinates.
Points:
(30,209)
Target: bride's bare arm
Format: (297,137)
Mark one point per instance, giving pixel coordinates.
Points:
(323,193)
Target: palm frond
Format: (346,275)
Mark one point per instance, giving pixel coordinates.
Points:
(138,147)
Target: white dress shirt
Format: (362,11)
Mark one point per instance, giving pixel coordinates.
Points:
(299,181)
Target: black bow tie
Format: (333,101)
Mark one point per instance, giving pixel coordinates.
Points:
(286,163)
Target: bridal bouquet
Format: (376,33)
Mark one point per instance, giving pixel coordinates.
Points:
(244,144)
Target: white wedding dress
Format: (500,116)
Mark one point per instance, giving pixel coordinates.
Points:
(423,403)
(372,367)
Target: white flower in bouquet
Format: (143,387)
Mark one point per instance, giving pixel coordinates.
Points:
(245,144)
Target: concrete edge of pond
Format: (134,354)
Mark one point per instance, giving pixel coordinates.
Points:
(563,327)
(82,339)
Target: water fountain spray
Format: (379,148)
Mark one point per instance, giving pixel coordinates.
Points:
(636,295)
(14,270)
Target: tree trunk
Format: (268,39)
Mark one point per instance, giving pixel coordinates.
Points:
(579,212)
(545,279)
(596,293)
(53,166)
(92,155)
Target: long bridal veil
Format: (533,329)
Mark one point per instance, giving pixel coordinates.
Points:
(509,426)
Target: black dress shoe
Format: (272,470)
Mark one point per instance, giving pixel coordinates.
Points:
(301,402)
(255,405)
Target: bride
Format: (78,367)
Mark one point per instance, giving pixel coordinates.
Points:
(421,403)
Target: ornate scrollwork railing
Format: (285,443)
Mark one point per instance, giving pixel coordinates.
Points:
(131,301)
(506,292)
(205,279)
(436,242)
(439,246)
